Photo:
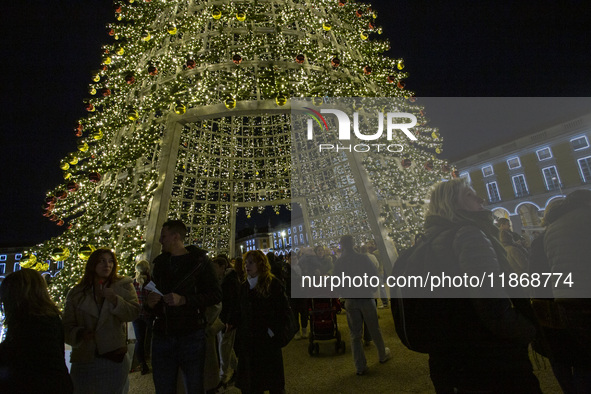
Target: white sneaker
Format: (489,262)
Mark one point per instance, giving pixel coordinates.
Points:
(387,357)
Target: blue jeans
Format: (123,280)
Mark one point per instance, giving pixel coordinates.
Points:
(169,353)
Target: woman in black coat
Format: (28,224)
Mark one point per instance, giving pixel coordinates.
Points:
(32,355)
(259,319)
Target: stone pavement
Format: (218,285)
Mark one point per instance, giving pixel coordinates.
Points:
(329,372)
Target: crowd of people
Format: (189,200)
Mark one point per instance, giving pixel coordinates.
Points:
(219,322)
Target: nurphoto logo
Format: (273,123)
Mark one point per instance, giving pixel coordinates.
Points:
(395,121)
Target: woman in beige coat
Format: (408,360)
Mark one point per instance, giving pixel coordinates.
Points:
(95,314)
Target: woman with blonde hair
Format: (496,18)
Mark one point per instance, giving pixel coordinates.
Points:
(32,354)
(97,310)
(259,320)
(142,326)
(483,337)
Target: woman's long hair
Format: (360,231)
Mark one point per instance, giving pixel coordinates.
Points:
(24,293)
(87,280)
(142,272)
(264,270)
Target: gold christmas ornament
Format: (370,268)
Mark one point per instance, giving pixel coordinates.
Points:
(120,51)
(96,77)
(85,251)
(326,26)
(241,16)
(67,175)
(172,30)
(216,13)
(364,35)
(132,114)
(230,103)
(64,165)
(435,135)
(281,100)
(107,60)
(180,109)
(92,91)
(28,260)
(400,64)
(438,150)
(97,135)
(73,158)
(60,253)
(146,36)
(317,101)
(82,146)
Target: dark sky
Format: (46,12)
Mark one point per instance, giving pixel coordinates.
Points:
(451,48)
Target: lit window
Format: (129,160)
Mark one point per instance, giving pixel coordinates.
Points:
(289,241)
(579,143)
(17,267)
(2,257)
(466,176)
(551,178)
(493,192)
(487,171)
(294,230)
(544,154)
(519,186)
(275,243)
(280,244)
(301,238)
(2,269)
(585,167)
(300,228)
(295,240)
(514,163)
(289,231)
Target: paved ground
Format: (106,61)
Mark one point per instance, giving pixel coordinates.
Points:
(331,373)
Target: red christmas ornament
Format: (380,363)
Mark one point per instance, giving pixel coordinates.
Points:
(367,70)
(111,32)
(335,62)
(401,84)
(371,26)
(428,166)
(129,78)
(406,163)
(72,186)
(60,223)
(103,67)
(391,79)
(50,199)
(118,8)
(53,218)
(94,177)
(190,64)
(106,92)
(61,195)
(359,13)
(455,174)
(89,107)
(47,213)
(237,59)
(342,3)
(300,58)
(152,70)
(412,99)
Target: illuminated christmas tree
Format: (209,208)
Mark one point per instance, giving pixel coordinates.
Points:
(189,117)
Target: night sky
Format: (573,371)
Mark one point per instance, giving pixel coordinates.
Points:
(451,49)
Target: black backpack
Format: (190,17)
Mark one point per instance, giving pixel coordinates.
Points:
(419,320)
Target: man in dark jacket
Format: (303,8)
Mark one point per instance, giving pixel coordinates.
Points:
(188,285)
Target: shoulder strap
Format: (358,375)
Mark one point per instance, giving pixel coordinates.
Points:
(190,274)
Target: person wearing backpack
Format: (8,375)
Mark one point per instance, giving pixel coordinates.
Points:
(482,338)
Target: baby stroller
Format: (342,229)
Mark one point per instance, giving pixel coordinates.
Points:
(323,323)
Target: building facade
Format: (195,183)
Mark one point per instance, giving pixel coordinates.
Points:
(520,178)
